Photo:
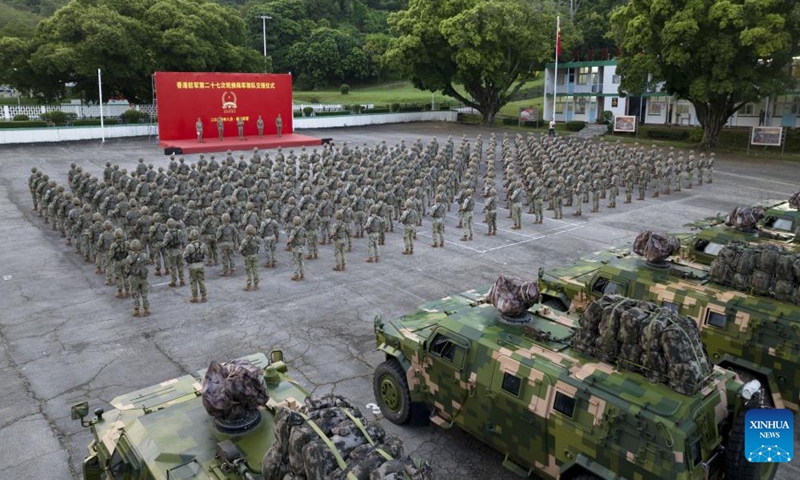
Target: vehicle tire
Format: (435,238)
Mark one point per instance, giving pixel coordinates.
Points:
(555,304)
(391,392)
(736,465)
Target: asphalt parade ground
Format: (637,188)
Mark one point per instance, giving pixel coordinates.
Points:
(64,338)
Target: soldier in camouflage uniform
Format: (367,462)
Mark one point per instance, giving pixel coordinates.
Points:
(490,208)
(596,187)
(516,205)
(311,224)
(373,228)
(208,231)
(467,208)
(296,242)
(249,250)
(325,213)
(103,246)
(437,225)
(338,236)
(136,268)
(409,218)
(172,247)
(87,220)
(118,253)
(537,201)
(227,238)
(613,192)
(269,231)
(347,218)
(193,255)
(628,186)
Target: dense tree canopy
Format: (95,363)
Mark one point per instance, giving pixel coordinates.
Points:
(489,47)
(718,54)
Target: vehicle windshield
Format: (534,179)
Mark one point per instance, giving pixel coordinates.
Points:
(713,248)
(783,224)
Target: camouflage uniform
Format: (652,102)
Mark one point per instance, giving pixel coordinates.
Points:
(437,225)
(227,238)
(103,245)
(296,241)
(516,207)
(409,218)
(172,246)
(155,239)
(249,250)
(373,228)
(537,200)
(118,253)
(311,225)
(467,208)
(209,233)
(136,267)
(338,235)
(193,255)
(490,207)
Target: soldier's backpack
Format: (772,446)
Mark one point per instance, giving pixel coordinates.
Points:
(174,240)
(138,268)
(198,255)
(121,253)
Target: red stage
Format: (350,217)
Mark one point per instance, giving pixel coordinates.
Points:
(289,140)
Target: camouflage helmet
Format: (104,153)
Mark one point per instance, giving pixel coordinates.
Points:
(292,201)
(191,204)
(144,210)
(108,164)
(33,170)
(250,206)
(469,192)
(325,195)
(156,217)
(297,220)
(87,208)
(194,234)
(68,196)
(107,225)
(234,200)
(96,217)
(209,211)
(251,230)
(118,234)
(76,201)
(373,209)
(438,197)
(132,203)
(136,245)
(171,223)
(226,218)
(268,213)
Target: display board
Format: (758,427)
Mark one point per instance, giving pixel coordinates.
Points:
(625,123)
(766,136)
(183,97)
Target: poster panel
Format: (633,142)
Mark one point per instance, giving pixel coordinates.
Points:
(766,136)
(625,123)
(185,97)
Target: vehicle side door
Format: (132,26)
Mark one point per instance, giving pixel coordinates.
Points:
(447,367)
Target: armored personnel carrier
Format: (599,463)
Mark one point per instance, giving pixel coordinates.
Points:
(758,336)
(521,385)
(239,420)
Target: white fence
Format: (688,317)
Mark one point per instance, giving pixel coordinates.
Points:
(82,111)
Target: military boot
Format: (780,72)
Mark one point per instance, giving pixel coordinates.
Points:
(370,260)
(146,312)
(98,271)
(405,252)
(204,299)
(435,245)
(377,257)
(247,288)
(183,283)
(136,311)
(193,299)
(295,278)
(255,286)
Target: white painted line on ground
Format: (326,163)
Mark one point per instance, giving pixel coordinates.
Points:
(399,289)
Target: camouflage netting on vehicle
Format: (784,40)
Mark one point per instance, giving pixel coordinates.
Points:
(794,201)
(641,337)
(655,247)
(512,296)
(745,218)
(762,269)
(232,389)
(303,451)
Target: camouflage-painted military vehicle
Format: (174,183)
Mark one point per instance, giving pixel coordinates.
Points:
(756,336)
(550,409)
(164,431)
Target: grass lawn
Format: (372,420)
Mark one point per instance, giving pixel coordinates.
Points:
(401,92)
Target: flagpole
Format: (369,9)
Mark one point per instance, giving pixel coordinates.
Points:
(100,98)
(555,71)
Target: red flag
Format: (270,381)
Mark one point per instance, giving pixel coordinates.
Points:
(558,41)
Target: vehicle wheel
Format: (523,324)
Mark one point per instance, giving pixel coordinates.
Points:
(736,465)
(555,304)
(391,391)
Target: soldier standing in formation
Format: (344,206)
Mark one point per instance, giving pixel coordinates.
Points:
(199,129)
(220,128)
(279,124)
(260,126)
(227,238)
(338,236)
(490,207)
(136,267)
(249,250)
(240,128)
(373,228)
(194,254)
(467,208)
(409,220)
(437,224)
(296,242)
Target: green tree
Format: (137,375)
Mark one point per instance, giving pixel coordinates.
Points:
(488,47)
(328,56)
(289,24)
(717,54)
(129,40)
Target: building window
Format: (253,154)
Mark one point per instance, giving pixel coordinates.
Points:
(583,75)
(615,79)
(748,109)
(560,79)
(682,109)
(580,106)
(654,108)
(560,105)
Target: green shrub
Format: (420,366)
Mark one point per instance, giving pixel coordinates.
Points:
(307,111)
(575,125)
(377,110)
(56,117)
(94,122)
(606,117)
(510,121)
(21,118)
(444,106)
(695,135)
(314,100)
(344,89)
(24,124)
(332,114)
(666,133)
(297,113)
(426,107)
(355,108)
(395,107)
(134,116)
(411,108)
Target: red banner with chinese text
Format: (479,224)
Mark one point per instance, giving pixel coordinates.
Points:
(183,97)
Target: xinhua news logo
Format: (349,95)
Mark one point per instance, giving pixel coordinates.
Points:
(769,435)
